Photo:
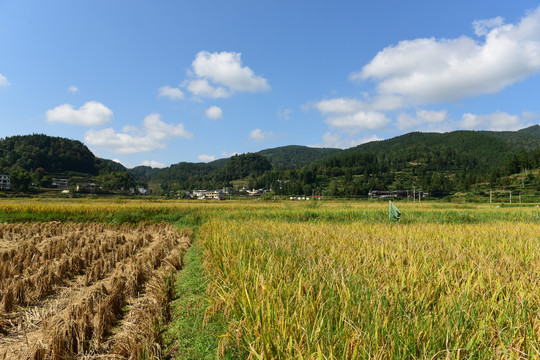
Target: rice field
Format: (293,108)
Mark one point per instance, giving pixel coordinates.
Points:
(280,280)
(64,287)
(363,291)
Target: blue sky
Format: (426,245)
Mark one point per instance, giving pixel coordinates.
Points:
(161,82)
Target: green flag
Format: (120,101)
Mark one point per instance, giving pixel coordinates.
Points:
(393,213)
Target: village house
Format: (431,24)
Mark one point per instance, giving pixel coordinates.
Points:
(374,194)
(208,194)
(5,181)
(86,187)
(61,183)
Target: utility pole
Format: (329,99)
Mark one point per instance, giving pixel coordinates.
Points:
(414,194)
(490,196)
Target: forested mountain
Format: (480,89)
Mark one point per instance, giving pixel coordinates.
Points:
(527,138)
(472,151)
(436,162)
(215,173)
(54,154)
(295,155)
(37,158)
(439,163)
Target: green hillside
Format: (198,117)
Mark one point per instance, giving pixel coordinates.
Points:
(459,150)
(295,155)
(36,159)
(438,163)
(528,138)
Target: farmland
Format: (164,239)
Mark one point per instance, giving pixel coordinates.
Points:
(64,286)
(268,280)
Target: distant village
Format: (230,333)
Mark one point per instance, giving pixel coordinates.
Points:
(218,194)
(64,184)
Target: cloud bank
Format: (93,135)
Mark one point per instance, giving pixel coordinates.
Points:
(171,93)
(219,75)
(419,73)
(439,70)
(92,113)
(133,140)
(498,121)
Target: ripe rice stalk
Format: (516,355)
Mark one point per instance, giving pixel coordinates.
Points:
(8,301)
(5,325)
(361,290)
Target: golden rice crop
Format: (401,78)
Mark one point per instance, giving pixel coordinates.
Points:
(376,291)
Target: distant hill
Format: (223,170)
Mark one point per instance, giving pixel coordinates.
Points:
(528,138)
(42,157)
(465,150)
(53,154)
(144,173)
(439,163)
(295,155)
(280,157)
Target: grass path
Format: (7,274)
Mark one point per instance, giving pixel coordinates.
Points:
(190,335)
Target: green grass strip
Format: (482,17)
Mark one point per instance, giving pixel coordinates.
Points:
(188,337)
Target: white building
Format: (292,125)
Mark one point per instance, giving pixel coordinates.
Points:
(61,183)
(208,194)
(86,187)
(5,181)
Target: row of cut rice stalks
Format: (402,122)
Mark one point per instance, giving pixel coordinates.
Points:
(110,288)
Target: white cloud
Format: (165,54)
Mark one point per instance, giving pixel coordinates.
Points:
(73,89)
(284,114)
(482,27)
(226,68)
(171,93)
(354,122)
(202,87)
(218,75)
(259,135)
(498,121)
(214,112)
(341,106)
(91,113)
(4,81)
(134,140)
(408,121)
(435,70)
(153,164)
(351,115)
(157,129)
(206,158)
(330,140)
(348,106)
